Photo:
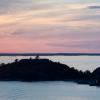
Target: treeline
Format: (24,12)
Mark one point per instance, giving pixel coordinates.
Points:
(46,70)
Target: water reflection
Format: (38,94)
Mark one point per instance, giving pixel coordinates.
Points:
(47,91)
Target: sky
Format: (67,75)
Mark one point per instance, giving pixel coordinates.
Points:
(49,26)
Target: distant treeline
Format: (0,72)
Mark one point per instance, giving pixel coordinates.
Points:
(49,54)
(46,70)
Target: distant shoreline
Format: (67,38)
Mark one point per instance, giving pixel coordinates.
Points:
(50,54)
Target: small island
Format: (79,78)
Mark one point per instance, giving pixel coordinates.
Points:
(46,70)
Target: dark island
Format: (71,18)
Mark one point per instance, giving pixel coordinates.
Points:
(46,70)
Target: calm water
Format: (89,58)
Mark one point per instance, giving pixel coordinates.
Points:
(79,62)
(47,91)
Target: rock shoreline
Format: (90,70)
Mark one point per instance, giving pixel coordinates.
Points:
(46,70)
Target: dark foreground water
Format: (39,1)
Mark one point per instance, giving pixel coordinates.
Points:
(47,91)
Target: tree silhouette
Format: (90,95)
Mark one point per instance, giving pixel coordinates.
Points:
(37,56)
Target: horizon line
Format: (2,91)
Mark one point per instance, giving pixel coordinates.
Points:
(48,54)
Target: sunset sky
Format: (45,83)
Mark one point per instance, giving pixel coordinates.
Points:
(31,26)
